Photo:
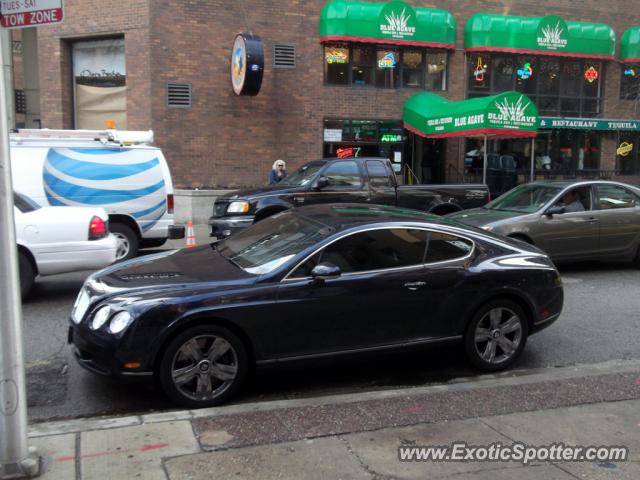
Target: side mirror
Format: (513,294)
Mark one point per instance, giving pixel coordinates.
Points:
(325,271)
(321,183)
(554,211)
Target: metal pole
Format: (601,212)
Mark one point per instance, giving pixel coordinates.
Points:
(533,153)
(16,459)
(484,165)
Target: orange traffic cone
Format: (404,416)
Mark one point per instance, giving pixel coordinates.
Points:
(190,237)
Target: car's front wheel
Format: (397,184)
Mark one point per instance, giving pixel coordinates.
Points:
(496,335)
(204,366)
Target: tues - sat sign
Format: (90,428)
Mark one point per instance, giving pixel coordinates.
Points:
(30,13)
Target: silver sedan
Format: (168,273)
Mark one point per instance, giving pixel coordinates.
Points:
(569,220)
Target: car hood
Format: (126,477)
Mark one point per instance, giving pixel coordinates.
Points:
(263,191)
(178,269)
(480,217)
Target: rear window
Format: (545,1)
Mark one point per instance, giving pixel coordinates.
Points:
(24,203)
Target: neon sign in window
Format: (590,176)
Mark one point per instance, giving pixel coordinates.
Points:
(388,60)
(591,74)
(525,72)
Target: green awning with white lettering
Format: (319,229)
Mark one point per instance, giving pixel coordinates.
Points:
(550,35)
(630,46)
(589,124)
(509,114)
(393,22)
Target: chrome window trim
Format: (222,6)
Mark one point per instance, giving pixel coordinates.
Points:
(286,278)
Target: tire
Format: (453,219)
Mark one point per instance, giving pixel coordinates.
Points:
(128,242)
(480,338)
(636,260)
(199,371)
(27,274)
(153,242)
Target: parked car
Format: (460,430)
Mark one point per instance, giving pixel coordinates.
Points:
(314,282)
(55,240)
(607,227)
(115,170)
(361,180)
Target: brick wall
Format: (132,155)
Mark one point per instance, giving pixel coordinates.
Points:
(86,20)
(230,141)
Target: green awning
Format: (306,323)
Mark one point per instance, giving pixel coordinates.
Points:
(509,114)
(393,22)
(630,46)
(550,35)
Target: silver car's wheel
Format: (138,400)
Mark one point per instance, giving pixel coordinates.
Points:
(123,247)
(496,336)
(203,366)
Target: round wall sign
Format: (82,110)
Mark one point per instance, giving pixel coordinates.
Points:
(247,64)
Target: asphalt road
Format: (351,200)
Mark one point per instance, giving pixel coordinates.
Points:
(600,322)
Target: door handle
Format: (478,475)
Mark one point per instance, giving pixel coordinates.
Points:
(593,220)
(413,286)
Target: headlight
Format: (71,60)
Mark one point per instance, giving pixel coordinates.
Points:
(120,321)
(238,207)
(80,307)
(100,317)
(487,228)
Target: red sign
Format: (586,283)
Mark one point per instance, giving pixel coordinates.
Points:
(591,74)
(30,13)
(344,152)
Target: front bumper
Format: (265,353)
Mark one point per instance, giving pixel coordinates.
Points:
(221,227)
(103,356)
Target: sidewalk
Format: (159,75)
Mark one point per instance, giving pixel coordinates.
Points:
(357,436)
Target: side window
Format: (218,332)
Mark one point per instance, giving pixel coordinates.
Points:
(443,247)
(576,200)
(304,269)
(377,250)
(343,175)
(378,174)
(613,196)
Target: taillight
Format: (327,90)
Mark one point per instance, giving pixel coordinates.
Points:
(170,203)
(97,228)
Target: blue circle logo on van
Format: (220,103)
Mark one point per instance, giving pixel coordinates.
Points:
(128,181)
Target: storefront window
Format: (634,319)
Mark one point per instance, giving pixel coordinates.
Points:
(412,68)
(559,87)
(628,153)
(363,65)
(630,82)
(503,74)
(336,64)
(436,71)
(387,68)
(99,83)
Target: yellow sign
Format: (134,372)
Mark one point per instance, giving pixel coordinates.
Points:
(624,149)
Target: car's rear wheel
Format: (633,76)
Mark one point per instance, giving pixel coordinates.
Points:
(204,366)
(27,274)
(128,242)
(496,335)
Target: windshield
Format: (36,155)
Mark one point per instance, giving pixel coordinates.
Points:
(303,175)
(525,198)
(267,245)
(24,203)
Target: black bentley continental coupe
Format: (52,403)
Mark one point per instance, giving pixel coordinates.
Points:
(313,282)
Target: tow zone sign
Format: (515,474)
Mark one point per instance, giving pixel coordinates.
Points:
(30,13)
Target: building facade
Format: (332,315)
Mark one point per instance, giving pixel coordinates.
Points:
(165,65)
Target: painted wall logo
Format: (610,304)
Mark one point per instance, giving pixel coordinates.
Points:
(552,33)
(398,20)
(513,113)
(624,149)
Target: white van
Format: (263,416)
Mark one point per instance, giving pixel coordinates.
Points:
(116,170)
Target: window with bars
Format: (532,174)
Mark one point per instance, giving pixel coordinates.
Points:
(179,95)
(284,55)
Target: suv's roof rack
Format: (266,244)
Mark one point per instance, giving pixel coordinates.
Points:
(120,137)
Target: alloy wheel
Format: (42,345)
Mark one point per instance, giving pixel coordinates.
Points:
(123,246)
(498,335)
(204,367)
